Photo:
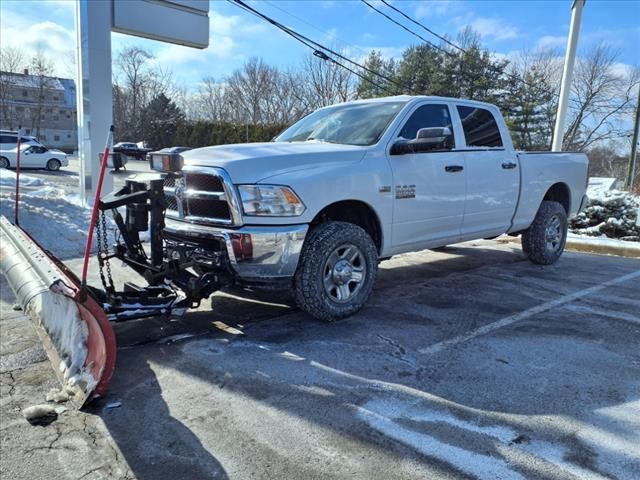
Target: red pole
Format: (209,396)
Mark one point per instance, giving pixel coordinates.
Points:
(15,218)
(96,205)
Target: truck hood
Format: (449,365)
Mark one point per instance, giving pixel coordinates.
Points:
(253,162)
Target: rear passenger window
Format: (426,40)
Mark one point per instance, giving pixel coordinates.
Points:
(480,127)
(8,139)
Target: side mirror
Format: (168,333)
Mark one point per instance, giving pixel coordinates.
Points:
(427,140)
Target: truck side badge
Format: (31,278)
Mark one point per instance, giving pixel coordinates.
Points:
(384,188)
(405,191)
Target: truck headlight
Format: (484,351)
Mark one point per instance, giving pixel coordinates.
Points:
(270,201)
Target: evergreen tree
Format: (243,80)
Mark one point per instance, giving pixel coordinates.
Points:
(161,118)
(368,87)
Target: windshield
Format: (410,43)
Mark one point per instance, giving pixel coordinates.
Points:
(350,124)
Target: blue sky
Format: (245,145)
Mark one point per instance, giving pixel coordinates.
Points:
(505,27)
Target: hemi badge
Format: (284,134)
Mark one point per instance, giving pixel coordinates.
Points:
(384,189)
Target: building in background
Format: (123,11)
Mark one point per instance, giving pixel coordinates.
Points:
(44,106)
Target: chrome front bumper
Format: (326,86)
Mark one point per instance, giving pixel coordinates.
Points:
(254,252)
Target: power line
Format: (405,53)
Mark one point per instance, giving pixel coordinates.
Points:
(293,15)
(407,29)
(318,47)
(447,52)
(444,39)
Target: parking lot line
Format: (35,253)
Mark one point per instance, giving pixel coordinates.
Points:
(511,319)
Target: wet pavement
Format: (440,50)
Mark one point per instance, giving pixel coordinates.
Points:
(469,362)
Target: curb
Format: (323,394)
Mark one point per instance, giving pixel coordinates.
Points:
(587,246)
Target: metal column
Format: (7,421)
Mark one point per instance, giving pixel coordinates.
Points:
(93,91)
(567,74)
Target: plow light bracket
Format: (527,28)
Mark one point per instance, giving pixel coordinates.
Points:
(166,162)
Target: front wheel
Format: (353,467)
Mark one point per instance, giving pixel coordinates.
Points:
(543,242)
(337,271)
(53,165)
(4,162)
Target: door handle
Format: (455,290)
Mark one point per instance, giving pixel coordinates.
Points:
(509,165)
(453,168)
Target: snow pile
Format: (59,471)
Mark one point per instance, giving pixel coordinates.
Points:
(8,179)
(612,213)
(55,218)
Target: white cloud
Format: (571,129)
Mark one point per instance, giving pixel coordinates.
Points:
(358,55)
(54,40)
(624,70)
(550,42)
(436,8)
(493,28)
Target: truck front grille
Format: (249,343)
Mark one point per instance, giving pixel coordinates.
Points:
(201,195)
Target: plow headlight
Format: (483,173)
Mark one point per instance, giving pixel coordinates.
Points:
(270,201)
(166,162)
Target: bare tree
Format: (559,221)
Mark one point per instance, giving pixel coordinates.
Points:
(40,70)
(251,88)
(603,98)
(137,81)
(11,61)
(212,100)
(131,80)
(326,83)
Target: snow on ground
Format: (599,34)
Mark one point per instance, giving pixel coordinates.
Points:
(54,217)
(8,179)
(602,241)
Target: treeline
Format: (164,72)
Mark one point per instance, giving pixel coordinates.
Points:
(202,133)
(257,100)
(260,95)
(526,88)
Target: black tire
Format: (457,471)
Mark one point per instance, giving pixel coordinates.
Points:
(53,165)
(543,242)
(316,272)
(4,162)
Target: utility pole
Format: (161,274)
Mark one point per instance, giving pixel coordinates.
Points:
(634,146)
(567,74)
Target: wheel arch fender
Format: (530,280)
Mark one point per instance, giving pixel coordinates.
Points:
(354,211)
(561,193)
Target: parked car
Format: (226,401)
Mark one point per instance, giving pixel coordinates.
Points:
(34,156)
(316,210)
(131,149)
(9,140)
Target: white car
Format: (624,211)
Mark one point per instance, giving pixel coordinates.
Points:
(9,140)
(34,156)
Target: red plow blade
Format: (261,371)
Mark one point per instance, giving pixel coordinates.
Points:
(73,328)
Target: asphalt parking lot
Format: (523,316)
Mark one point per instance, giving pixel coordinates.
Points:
(469,362)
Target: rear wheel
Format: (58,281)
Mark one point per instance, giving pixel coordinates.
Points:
(4,162)
(337,271)
(53,165)
(543,242)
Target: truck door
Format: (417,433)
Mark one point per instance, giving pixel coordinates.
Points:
(429,185)
(493,177)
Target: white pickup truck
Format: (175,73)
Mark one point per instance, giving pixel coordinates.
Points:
(318,208)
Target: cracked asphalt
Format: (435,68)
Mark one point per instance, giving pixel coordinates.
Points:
(469,362)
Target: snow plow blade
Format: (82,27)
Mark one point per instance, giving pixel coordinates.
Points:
(73,328)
